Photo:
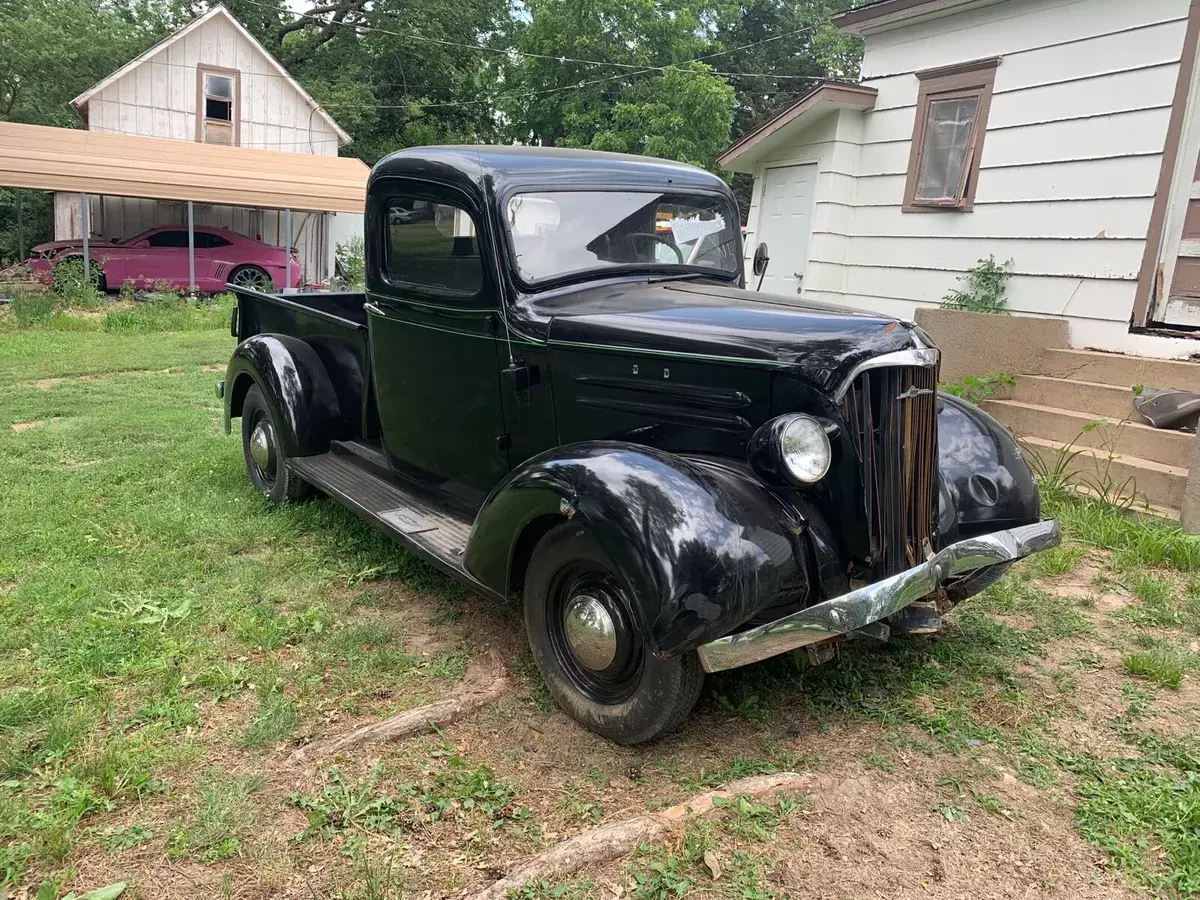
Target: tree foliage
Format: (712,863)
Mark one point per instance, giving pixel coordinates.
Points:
(671,78)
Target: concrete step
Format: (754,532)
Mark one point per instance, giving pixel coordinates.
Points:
(1172,448)
(1124,371)
(1159,484)
(1099,400)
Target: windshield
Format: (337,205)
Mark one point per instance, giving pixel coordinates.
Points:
(557,233)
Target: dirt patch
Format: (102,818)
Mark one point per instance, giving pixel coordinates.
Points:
(35,423)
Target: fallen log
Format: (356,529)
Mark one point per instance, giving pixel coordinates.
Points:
(487,689)
(609,842)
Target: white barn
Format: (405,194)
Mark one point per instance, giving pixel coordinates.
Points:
(211,81)
(1061,134)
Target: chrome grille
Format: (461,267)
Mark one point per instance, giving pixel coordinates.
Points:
(892,416)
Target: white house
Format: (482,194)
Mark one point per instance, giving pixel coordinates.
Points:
(1060,134)
(212,82)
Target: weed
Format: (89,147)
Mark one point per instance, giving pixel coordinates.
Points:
(125,837)
(469,789)
(539,694)
(223,816)
(1057,561)
(977,388)
(951,813)
(756,821)
(1160,665)
(73,288)
(983,288)
(881,762)
(991,804)
(32,309)
(342,807)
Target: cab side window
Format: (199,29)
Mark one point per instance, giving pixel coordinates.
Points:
(432,246)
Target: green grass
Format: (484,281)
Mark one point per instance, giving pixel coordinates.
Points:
(143,584)
(223,816)
(1160,665)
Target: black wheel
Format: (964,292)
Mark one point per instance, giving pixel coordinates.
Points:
(589,648)
(266,462)
(252,277)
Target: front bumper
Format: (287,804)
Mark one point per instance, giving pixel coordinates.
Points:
(869,604)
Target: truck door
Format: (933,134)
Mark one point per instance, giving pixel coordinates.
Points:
(432,321)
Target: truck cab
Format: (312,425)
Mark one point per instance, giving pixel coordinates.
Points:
(557,388)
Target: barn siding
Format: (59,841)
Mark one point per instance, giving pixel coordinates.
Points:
(1067,177)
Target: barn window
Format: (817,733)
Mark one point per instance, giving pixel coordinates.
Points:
(216,106)
(947,142)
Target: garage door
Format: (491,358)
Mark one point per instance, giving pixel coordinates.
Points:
(785,222)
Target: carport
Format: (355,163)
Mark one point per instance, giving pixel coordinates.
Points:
(72,160)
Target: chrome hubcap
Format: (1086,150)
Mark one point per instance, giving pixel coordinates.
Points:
(590,631)
(262,443)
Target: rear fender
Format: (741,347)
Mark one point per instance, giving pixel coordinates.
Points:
(701,545)
(296,386)
(986,484)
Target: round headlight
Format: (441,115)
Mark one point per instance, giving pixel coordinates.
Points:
(804,449)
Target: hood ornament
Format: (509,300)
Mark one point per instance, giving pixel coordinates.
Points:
(914,391)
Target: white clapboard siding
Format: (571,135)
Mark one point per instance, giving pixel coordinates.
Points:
(1096,258)
(1104,95)
(1123,218)
(1130,176)
(1118,135)
(1128,51)
(1004,29)
(1087,298)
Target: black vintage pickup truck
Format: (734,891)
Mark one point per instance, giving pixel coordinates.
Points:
(557,389)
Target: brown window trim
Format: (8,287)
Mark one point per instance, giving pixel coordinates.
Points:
(967,79)
(236,75)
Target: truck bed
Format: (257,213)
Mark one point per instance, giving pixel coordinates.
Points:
(335,325)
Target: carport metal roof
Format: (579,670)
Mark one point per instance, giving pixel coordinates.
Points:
(121,165)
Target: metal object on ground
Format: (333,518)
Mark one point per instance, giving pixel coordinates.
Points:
(873,602)
(590,632)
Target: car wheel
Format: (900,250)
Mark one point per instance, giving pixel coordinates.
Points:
(590,650)
(252,277)
(266,462)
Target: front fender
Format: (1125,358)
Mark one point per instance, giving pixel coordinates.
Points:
(986,484)
(296,386)
(701,545)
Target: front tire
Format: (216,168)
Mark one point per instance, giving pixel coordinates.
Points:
(253,277)
(266,461)
(591,652)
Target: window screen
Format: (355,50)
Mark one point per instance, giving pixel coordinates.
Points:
(948,131)
(432,246)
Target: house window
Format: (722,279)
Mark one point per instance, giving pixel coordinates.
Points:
(951,120)
(216,106)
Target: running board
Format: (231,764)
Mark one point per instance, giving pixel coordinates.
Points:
(415,520)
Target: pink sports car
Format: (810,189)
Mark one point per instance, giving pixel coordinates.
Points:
(161,254)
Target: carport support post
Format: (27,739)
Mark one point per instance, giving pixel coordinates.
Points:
(191,249)
(287,249)
(20,227)
(85,227)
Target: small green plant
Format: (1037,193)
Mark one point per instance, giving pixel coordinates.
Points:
(977,388)
(983,288)
(951,813)
(75,289)
(1059,475)
(32,309)
(351,267)
(881,762)
(224,814)
(1159,664)
(346,808)
(469,789)
(125,837)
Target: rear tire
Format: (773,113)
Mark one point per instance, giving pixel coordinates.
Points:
(602,675)
(266,461)
(252,277)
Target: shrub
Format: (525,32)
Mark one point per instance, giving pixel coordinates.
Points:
(73,288)
(351,266)
(977,388)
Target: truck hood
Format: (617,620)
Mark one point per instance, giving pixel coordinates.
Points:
(818,342)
